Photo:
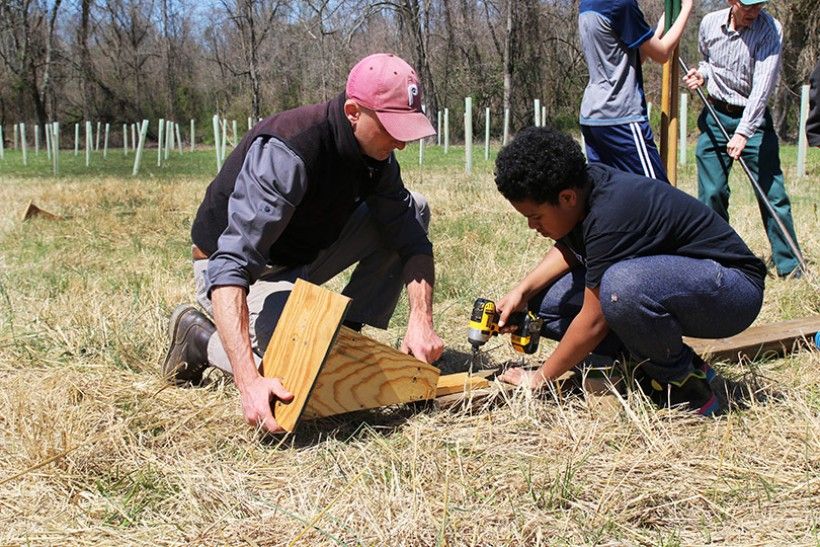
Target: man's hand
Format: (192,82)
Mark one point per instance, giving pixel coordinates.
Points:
(256,396)
(532,379)
(735,146)
(693,79)
(422,342)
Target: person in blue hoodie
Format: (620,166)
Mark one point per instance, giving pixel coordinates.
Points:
(616,38)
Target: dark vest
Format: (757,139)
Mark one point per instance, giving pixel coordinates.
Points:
(338,179)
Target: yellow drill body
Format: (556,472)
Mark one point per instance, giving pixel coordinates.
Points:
(484,325)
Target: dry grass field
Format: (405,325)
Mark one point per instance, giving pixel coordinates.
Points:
(96,449)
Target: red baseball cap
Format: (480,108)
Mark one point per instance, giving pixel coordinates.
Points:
(386,84)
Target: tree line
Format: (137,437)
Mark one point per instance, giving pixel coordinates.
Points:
(124,60)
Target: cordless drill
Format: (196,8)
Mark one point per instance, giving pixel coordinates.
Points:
(484,325)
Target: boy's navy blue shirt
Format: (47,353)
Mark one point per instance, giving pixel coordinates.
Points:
(630,216)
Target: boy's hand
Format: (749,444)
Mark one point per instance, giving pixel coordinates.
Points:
(511,302)
(532,379)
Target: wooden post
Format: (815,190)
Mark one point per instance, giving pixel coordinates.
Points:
(23,143)
(487,134)
(99,127)
(215,120)
(105,145)
(160,139)
(468,135)
(446,130)
(140,148)
(55,143)
(506,138)
(536,119)
(684,130)
(438,128)
(88,141)
(193,135)
(802,142)
(669,101)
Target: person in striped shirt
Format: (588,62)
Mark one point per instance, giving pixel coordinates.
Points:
(741,48)
(615,39)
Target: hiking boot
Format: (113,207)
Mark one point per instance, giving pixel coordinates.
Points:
(187,357)
(702,390)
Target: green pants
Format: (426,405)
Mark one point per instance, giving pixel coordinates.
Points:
(762,155)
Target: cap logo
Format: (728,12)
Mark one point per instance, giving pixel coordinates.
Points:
(412,93)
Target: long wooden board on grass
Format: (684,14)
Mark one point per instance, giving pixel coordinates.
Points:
(762,341)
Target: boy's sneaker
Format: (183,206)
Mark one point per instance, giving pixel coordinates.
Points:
(187,357)
(703,390)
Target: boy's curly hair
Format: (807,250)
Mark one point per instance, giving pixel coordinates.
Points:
(538,164)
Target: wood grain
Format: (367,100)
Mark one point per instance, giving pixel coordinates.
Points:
(361,373)
(460,383)
(771,340)
(300,344)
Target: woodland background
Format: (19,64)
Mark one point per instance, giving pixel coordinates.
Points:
(124,60)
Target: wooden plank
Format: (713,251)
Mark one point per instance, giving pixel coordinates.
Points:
(300,345)
(361,373)
(771,340)
(461,382)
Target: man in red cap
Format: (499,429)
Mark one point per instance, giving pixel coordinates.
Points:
(307,193)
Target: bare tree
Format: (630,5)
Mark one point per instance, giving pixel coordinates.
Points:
(27,48)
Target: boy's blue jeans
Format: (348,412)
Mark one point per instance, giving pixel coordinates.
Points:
(651,302)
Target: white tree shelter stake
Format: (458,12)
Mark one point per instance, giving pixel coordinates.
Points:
(140,148)
(105,146)
(468,135)
(216,142)
(160,135)
(446,130)
(76,139)
(125,139)
(55,143)
(536,106)
(88,143)
(193,139)
(179,139)
(802,142)
(48,143)
(134,136)
(2,145)
(23,143)
(486,133)
(99,130)
(438,128)
(506,137)
(37,139)
(682,105)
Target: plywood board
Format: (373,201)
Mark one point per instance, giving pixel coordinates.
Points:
(361,373)
(461,382)
(760,341)
(300,344)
